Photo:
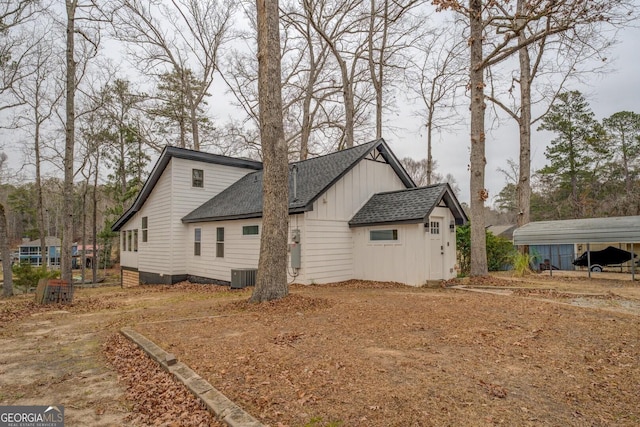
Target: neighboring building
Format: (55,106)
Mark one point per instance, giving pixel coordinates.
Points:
(503,231)
(85,254)
(353,214)
(30,252)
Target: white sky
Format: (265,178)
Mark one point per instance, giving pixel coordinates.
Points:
(608,93)
(615,91)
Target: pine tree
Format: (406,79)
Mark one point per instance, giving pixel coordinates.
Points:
(579,146)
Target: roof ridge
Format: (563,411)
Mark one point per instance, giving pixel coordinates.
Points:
(414,188)
(177,151)
(336,152)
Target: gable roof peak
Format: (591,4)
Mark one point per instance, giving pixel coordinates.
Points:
(314,176)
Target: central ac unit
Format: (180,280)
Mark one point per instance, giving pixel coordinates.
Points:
(243,277)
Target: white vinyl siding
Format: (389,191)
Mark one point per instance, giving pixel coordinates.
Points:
(185,199)
(154,255)
(239,251)
(171,199)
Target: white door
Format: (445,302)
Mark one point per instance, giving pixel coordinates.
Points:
(436,240)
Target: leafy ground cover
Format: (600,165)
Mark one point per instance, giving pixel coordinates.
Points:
(529,351)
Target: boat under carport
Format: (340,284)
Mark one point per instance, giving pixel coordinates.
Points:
(623,229)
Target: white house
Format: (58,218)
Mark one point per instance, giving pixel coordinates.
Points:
(353,214)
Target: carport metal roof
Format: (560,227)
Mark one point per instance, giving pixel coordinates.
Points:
(624,229)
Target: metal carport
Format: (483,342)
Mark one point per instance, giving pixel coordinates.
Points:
(623,229)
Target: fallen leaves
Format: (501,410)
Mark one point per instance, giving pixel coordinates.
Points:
(156,397)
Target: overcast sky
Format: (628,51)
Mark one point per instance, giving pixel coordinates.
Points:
(616,90)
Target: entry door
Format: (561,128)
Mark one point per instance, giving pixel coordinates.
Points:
(436,240)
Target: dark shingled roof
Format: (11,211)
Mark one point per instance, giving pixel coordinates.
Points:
(413,205)
(243,199)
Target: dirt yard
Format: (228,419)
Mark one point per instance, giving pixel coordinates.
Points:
(535,351)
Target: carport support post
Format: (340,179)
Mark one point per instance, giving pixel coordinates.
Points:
(589,260)
(633,264)
(550,262)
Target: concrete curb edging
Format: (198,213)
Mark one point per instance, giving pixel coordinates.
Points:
(223,408)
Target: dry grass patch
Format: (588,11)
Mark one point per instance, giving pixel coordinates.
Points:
(388,355)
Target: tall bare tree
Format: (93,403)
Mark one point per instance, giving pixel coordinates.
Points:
(40,95)
(182,38)
(271,282)
(84,19)
(434,77)
(389,34)
(545,68)
(343,25)
(494,36)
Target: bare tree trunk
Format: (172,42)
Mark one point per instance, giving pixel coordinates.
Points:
(376,80)
(477,162)
(5,252)
(349,107)
(272,268)
(305,132)
(193,113)
(39,196)
(429,154)
(81,255)
(94,258)
(523,188)
(194,128)
(122,161)
(67,228)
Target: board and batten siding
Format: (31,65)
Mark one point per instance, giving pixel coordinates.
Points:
(342,200)
(414,258)
(239,251)
(402,260)
(328,250)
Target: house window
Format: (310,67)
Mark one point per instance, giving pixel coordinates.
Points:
(135,240)
(129,240)
(435,227)
(145,225)
(197,238)
(220,242)
(375,235)
(124,241)
(197,178)
(250,230)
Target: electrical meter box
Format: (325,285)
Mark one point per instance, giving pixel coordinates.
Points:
(295,249)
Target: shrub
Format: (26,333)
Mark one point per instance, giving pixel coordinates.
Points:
(27,277)
(500,251)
